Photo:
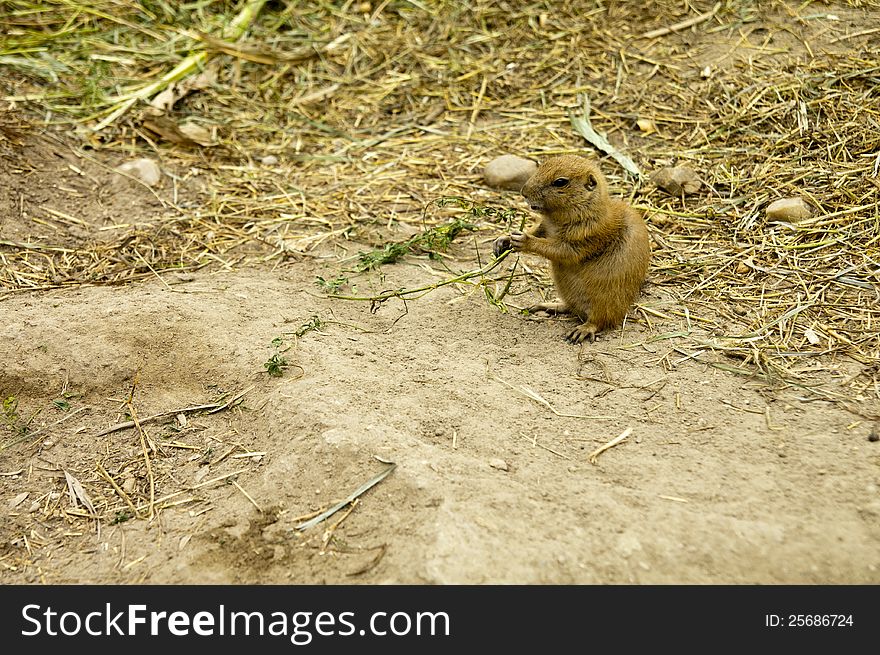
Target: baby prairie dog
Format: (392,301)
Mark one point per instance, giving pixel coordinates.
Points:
(598,246)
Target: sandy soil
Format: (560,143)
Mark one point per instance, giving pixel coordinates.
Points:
(489,417)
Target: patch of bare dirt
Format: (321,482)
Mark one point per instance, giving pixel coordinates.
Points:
(720,480)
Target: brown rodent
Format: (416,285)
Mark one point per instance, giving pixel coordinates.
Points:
(598,245)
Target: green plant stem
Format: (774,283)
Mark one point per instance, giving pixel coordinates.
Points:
(504,291)
(506,288)
(402,293)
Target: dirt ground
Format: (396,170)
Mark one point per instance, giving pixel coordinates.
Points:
(489,417)
(720,480)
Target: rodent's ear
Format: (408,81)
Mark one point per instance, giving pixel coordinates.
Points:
(590,183)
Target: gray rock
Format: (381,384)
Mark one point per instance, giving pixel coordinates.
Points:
(269,160)
(790,210)
(146,170)
(509,172)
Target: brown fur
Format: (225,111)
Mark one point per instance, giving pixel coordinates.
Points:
(598,246)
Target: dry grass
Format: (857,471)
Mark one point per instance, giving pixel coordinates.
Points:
(375,109)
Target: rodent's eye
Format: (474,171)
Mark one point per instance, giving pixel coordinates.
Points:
(559,182)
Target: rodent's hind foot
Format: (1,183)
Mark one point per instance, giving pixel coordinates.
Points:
(583,332)
(549,308)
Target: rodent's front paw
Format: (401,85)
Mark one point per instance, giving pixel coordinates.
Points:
(518,240)
(501,245)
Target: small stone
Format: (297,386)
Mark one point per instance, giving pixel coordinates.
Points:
(646,125)
(128,485)
(269,160)
(499,464)
(790,210)
(197,133)
(146,170)
(509,172)
(18,500)
(677,180)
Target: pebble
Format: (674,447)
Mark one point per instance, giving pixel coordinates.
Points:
(197,133)
(790,210)
(646,125)
(269,160)
(18,500)
(677,180)
(146,170)
(509,172)
(499,464)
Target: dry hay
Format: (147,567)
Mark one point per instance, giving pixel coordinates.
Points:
(376,109)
